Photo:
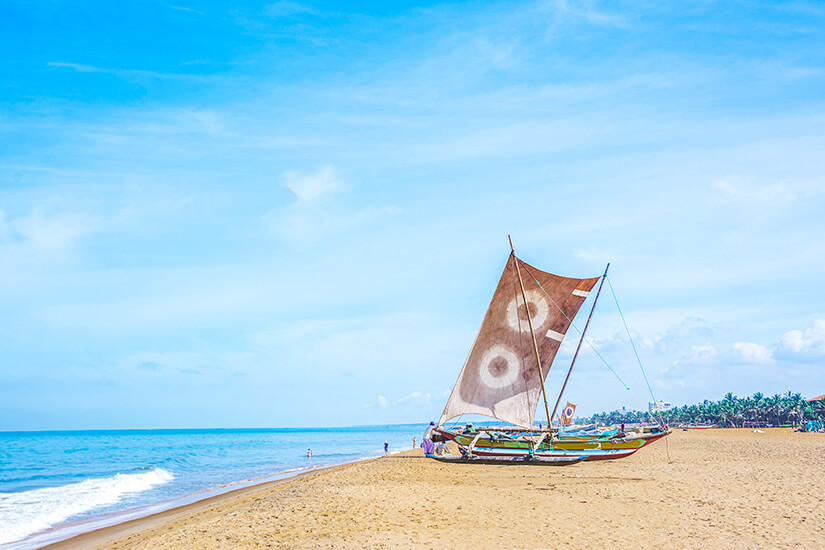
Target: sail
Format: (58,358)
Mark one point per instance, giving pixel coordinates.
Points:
(567,414)
(500,377)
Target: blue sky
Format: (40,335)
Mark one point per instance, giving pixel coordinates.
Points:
(295,214)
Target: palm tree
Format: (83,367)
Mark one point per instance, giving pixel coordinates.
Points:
(818,409)
(731,411)
(772,405)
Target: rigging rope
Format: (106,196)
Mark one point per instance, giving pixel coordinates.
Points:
(630,337)
(589,343)
(638,359)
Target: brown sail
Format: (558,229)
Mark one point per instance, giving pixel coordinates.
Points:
(500,378)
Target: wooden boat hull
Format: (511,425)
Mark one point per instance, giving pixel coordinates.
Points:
(584,455)
(590,449)
(509,460)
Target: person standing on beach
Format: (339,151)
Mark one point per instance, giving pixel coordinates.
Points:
(413,442)
(386,447)
(429,446)
(309,453)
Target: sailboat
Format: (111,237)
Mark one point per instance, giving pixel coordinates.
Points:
(503,376)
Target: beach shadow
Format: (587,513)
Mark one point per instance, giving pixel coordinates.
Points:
(401,457)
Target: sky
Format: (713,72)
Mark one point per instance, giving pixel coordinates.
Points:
(295,213)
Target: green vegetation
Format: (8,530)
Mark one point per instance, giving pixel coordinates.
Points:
(731,411)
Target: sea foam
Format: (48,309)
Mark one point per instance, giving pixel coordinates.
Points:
(27,512)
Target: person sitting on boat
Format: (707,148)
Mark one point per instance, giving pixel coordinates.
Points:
(429,446)
(468,429)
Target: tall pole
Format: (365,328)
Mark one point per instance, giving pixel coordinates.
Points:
(575,355)
(532,334)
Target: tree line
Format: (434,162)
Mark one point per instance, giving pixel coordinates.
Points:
(730,412)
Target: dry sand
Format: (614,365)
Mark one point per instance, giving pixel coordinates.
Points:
(721,489)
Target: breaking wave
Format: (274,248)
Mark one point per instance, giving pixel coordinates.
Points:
(27,512)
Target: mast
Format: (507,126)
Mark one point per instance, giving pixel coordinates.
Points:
(532,334)
(581,340)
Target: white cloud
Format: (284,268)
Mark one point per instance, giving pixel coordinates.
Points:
(677,335)
(814,337)
(51,234)
(314,214)
(5,227)
(500,54)
(288,9)
(76,66)
(803,345)
(754,353)
(416,397)
(584,9)
(125,73)
(172,307)
(182,8)
(735,187)
(704,352)
(312,188)
(698,354)
(416,400)
(195,121)
(412,396)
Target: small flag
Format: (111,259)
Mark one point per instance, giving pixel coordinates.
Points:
(567,413)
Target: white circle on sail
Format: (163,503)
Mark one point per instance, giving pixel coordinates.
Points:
(499,367)
(539,315)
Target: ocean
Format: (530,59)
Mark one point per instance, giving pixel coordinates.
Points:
(56,484)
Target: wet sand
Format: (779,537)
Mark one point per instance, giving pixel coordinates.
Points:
(720,489)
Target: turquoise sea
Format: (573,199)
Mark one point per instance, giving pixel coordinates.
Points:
(56,484)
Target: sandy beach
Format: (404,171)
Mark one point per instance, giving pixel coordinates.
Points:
(720,489)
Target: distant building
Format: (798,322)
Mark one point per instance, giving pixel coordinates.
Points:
(820,398)
(659,406)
